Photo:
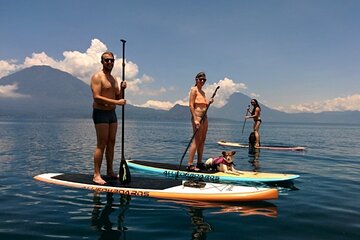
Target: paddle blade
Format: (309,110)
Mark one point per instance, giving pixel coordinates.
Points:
(124,173)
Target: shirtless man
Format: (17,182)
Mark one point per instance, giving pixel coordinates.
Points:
(106,95)
(255,115)
(198,105)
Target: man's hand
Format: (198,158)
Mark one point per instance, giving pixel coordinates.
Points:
(121,102)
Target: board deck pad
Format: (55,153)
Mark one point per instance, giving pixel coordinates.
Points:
(165,166)
(164,188)
(275,148)
(171,170)
(138,182)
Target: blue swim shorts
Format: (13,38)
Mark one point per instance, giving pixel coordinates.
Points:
(104,116)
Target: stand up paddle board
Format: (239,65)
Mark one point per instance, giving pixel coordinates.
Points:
(171,170)
(278,148)
(164,188)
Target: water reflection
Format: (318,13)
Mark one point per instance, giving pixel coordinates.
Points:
(101,214)
(254,158)
(201,227)
(260,208)
(100,219)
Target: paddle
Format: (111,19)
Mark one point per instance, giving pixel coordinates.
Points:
(247,111)
(202,118)
(124,172)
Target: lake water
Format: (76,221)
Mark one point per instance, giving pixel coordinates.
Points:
(325,206)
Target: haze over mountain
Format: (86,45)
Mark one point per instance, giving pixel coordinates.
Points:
(42,91)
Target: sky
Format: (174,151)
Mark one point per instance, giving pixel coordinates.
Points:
(293,56)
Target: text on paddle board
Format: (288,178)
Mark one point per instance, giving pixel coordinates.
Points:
(120,191)
(193,175)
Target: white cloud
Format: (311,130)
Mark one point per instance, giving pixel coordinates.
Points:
(136,84)
(348,103)
(255,95)
(39,59)
(164,105)
(81,65)
(84,64)
(227,88)
(142,87)
(9,91)
(7,67)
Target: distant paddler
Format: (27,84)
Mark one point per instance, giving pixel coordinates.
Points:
(255,115)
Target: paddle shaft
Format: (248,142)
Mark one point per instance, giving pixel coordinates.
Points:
(192,138)
(124,172)
(247,111)
(123,96)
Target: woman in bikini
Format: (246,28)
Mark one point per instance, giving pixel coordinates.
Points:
(255,115)
(198,105)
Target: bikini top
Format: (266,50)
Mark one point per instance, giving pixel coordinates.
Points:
(200,99)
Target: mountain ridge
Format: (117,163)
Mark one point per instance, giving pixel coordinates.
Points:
(52,93)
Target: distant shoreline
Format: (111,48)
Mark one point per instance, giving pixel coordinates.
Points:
(8,118)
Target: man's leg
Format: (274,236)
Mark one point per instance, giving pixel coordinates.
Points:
(102,134)
(109,154)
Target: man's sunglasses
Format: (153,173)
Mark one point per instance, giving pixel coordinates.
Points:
(109,60)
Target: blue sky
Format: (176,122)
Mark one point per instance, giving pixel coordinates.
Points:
(291,55)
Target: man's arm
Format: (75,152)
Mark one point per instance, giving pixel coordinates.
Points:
(119,91)
(95,85)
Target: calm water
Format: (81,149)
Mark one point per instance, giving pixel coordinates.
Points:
(326,206)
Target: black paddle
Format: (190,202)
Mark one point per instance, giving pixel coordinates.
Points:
(247,111)
(202,118)
(124,172)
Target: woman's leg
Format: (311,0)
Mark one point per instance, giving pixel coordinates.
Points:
(201,140)
(193,147)
(256,131)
